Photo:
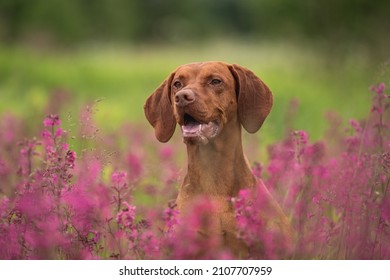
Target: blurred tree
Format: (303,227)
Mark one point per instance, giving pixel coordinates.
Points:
(73,21)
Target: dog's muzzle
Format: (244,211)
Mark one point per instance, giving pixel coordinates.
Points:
(193,130)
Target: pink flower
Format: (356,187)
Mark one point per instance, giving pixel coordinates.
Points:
(170,217)
(3,168)
(334,192)
(46,134)
(70,158)
(316,199)
(119,178)
(135,165)
(65,146)
(380,88)
(52,120)
(302,136)
(166,152)
(126,216)
(385,210)
(59,132)
(355,125)
(185,242)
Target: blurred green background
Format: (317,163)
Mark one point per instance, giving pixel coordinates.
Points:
(58,55)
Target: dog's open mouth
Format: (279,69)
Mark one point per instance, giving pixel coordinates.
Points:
(193,128)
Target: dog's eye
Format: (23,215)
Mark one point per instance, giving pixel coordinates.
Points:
(177,84)
(216,82)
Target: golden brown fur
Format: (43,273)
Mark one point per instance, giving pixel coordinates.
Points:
(211,102)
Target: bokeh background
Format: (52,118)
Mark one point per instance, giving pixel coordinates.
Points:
(94,62)
(316,56)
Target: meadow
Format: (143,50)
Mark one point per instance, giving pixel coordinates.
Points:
(319,78)
(82,176)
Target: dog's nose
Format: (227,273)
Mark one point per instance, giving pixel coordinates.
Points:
(184,97)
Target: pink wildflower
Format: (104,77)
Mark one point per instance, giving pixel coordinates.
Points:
(170,217)
(385,210)
(303,137)
(355,125)
(166,152)
(126,216)
(380,89)
(59,132)
(135,165)
(70,159)
(119,178)
(52,120)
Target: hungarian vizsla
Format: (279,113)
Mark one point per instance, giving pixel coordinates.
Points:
(211,101)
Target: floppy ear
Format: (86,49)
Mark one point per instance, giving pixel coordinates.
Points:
(254,98)
(159,112)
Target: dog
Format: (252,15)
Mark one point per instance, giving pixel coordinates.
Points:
(211,102)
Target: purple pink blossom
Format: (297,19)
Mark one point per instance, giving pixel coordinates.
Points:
(61,201)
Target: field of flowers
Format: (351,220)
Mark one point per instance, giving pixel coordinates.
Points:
(77,193)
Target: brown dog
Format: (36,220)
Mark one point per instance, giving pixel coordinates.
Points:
(211,101)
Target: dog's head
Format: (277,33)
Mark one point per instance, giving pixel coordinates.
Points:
(203,97)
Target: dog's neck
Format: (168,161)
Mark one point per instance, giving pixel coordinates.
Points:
(218,168)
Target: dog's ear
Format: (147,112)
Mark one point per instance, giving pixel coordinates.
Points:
(159,111)
(254,98)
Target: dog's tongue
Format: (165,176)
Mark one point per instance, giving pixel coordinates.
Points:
(204,131)
(191,129)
